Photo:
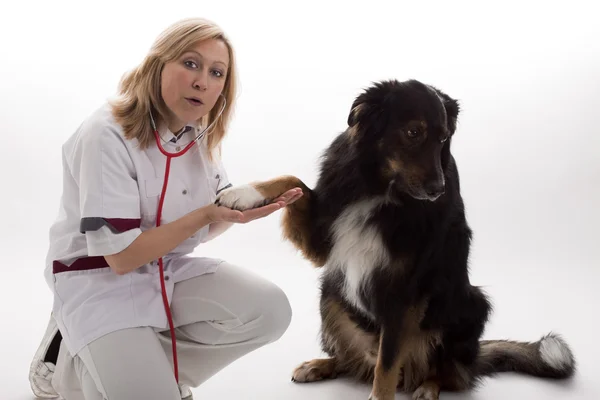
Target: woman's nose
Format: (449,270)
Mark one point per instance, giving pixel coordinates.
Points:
(201,83)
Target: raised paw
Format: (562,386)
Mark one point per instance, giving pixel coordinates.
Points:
(241,198)
(427,391)
(315,370)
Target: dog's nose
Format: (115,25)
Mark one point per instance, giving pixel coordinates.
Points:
(434,188)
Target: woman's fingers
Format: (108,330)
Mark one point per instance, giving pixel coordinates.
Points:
(286,198)
(230,215)
(261,212)
(296,197)
(290,195)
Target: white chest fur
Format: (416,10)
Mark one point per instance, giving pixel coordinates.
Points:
(358,248)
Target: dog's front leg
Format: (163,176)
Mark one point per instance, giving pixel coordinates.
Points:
(298,218)
(392,355)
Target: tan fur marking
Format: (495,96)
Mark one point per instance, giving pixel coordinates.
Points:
(411,363)
(386,380)
(418,345)
(355,350)
(315,370)
(353,131)
(416,367)
(429,390)
(490,347)
(275,187)
(295,223)
(356,112)
(413,174)
(295,217)
(394,167)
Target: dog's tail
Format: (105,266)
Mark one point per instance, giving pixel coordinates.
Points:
(549,357)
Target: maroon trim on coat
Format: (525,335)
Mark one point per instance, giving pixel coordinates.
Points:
(81,264)
(123,224)
(116,225)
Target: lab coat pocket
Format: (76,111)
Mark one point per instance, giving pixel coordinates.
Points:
(153,187)
(149,202)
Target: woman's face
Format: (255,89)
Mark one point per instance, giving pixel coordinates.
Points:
(192,83)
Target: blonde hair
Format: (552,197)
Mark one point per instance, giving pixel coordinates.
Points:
(140,89)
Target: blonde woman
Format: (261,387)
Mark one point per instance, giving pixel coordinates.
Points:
(133,209)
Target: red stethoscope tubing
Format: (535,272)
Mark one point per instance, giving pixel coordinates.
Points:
(158,217)
(169,156)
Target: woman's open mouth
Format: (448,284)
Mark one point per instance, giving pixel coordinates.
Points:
(194,101)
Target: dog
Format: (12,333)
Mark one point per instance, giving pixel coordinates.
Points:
(386,222)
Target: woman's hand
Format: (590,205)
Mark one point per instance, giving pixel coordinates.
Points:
(220,213)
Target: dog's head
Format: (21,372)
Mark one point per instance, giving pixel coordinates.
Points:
(404,130)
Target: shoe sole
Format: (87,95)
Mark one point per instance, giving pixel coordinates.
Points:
(38,359)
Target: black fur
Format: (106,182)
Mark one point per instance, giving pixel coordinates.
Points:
(431,233)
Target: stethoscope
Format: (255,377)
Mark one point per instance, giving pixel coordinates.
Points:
(189,145)
(170,156)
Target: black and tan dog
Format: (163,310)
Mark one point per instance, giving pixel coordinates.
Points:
(386,220)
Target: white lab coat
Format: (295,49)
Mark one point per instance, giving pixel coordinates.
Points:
(109,180)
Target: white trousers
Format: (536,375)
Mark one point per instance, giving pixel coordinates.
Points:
(219,317)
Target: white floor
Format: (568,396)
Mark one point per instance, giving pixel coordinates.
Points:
(530,299)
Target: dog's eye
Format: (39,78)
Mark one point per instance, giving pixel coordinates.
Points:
(412,133)
(443,140)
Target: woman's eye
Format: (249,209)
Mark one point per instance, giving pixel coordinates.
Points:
(191,64)
(218,73)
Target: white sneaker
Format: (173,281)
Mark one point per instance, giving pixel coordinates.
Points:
(40,372)
(186,392)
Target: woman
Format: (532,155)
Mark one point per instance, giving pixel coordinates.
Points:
(110,333)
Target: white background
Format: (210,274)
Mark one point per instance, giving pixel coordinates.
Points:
(528,147)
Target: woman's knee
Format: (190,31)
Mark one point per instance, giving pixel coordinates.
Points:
(276,311)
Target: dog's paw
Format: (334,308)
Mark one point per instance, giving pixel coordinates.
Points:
(373,396)
(426,392)
(314,370)
(382,394)
(241,198)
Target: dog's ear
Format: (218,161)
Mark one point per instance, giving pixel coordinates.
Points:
(357,110)
(452,109)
